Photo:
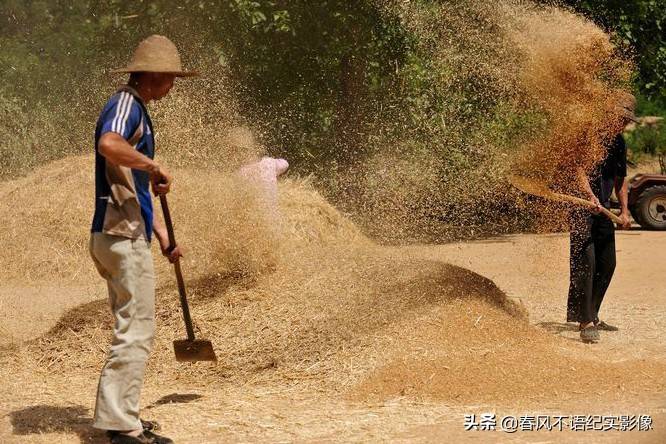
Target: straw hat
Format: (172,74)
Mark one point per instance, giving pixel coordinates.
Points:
(156,54)
(626,104)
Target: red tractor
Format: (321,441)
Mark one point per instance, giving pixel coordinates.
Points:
(647,200)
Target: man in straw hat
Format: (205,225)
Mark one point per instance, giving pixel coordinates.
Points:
(122,230)
(592,246)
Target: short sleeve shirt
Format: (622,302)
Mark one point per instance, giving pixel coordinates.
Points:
(613,166)
(123,205)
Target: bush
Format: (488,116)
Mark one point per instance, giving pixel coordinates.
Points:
(647,140)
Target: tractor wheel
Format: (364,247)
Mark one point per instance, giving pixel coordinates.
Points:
(651,208)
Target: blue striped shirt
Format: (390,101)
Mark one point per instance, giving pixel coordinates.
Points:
(123,205)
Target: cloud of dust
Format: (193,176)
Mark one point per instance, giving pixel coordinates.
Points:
(574,75)
(543,84)
(512,88)
(199,126)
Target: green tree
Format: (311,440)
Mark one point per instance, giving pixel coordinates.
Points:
(311,70)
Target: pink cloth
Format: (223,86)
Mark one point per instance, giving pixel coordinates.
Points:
(267,169)
(264,174)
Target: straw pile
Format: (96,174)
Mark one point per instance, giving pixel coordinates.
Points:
(310,303)
(285,301)
(43,221)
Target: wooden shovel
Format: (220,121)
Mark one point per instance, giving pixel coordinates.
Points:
(538,188)
(190,349)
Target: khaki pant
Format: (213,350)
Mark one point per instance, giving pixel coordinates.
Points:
(127,266)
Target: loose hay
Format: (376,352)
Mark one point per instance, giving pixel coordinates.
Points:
(332,312)
(484,357)
(287,307)
(308,300)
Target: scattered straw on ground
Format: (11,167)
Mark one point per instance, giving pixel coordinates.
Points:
(313,304)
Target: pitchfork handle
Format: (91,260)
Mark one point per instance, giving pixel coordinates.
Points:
(179,276)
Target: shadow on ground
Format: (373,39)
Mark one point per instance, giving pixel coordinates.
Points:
(558,327)
(40,419)
(216,285)
(175,398)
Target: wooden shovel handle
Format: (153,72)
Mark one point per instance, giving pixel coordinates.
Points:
(586,203)
(179,275)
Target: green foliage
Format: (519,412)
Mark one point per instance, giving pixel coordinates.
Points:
(649,140)
(330,82)
(651,107)
(52,69)
(310,71)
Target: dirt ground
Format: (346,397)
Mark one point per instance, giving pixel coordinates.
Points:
(531,268)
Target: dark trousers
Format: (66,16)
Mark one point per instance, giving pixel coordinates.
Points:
(592,263)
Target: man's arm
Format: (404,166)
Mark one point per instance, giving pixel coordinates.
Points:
(620,184)
(622,193)
(117,150)
(163,238)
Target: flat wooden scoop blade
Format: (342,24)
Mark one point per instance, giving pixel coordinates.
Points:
(531,186)
(194,351)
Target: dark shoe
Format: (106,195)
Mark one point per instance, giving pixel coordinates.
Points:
(121,438)
(157,439)
(601,325)
(150,426)
(589,335)
(145,438)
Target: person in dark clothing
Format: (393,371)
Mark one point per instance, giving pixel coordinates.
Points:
(592,239)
